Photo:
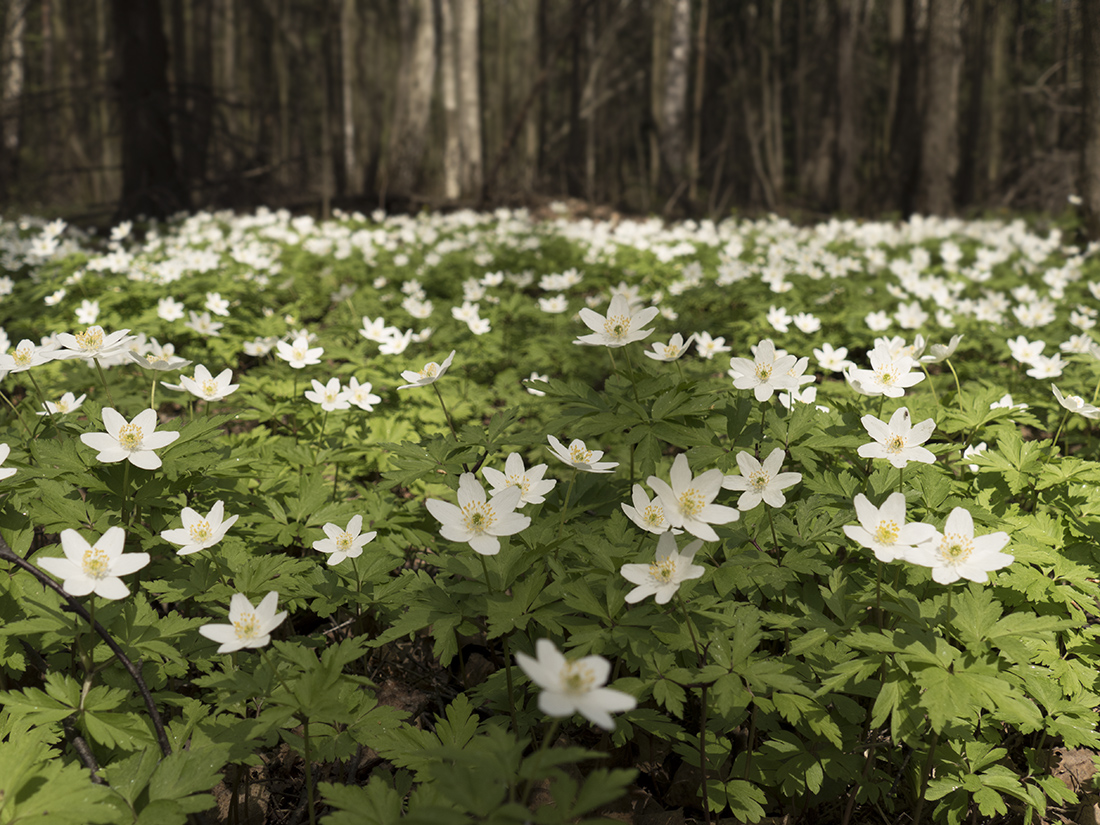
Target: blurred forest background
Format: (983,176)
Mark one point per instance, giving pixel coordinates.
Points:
(111,108)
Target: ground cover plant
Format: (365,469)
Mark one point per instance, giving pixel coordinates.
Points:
(473,518)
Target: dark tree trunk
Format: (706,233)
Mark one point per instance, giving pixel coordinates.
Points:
(150,181)
(905,151)
(1090,155)
(939,132)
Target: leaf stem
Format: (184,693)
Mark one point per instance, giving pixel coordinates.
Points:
(103,379)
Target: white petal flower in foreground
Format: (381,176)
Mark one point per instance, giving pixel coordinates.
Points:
(957,553)
(574,687)
(1076,404)
(688,502)
(766,373)
(663,576)
(477,521)
(88,568)
(941,352)
(883,529)
(622,324)
(649,515)
(360,394)
(65,404)
(134,442)
(580,457)
(533,488)
(206,386)
(431,373)
(899,441)
(330,396)
(344,544)
(249,626)
(27,355)
(761,481)
(299,354)
(199,533)
(671,351)
(5,472)
(92,343)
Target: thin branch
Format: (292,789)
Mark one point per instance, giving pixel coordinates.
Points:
(8,554)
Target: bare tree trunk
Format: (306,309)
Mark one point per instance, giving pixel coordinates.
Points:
(662,18)
(452,146)
(12,56)
(328,173)
(471,175)
(998,81)
(847,102)
(1090,155)
(772,103)
(348,24)
(413,100)
(697,102)
(109,182)
(939,132)
(532,63)
(895,39)
(971,178)
(674,100)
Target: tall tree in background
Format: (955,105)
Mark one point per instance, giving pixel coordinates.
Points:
(150,182)
(11,86)
(1090,156)
(468,57)
(674,100)
(847,104)
(939,131)
(413,101)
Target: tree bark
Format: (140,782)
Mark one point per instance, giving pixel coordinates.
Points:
(697,102)
(12,57)
(971,173)
(413,100)
(150,181)
(673,124)
(1090,155)
(471,177)
(847,102)
(939,131)
(348,23)
(998,82)
(452,142)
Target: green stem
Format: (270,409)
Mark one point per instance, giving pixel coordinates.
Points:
(771,523)
(931,386)
(926,773)
(565,503)
(551,735)
(703,752)
(103,379)
(878,595)
(41,395)
(125,510)
(153,394)
(691,629)
(958,386)
(633,380)
(450,423)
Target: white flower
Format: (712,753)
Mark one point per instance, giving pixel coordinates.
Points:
(533,488)
(957,553)
(204,325)
(778,318)
(329,396)
(93,343)
(375,330)
(574,687)
(1006,402)
(249,626)
(877,321)
(396,343)
(259,347)
(169,309)
(662,578)
(207,387)
(88,312)
(1025,351)
(55,298)
(807,323)
(431,373)
(649,515)
(899,441)
(134,442)
(534,376)
(709,347)
(580,457)
(88,568)
(973,450)
(216,303)
(761,481)
(890,375)
(477,521)
(833,360)
(1076,404)
(883,529)
(64,405)
(941,352)
(554,305)
(199,533)
(360,394)
(688,502)
(26,356)
(299,354)
(766,373)
(346,543)
(622,325)
(1043,366)
(675,347)
(6,472)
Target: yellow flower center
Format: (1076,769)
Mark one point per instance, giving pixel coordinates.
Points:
(22,356)
(671,351)
(96,564)
(210,387)
(344,542)
(579,455)
(763,372)
(663,570)
(577,679)
(691,503)
(130,436)
(247,625)
(200,532)
(299,354)
(61,406)
(887,375)
(654,515)
(895,444)
(518,481)
(887,532)
(91,339)
(430,370)
(616,326)
(956,548)
(479,516)
(759,481)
